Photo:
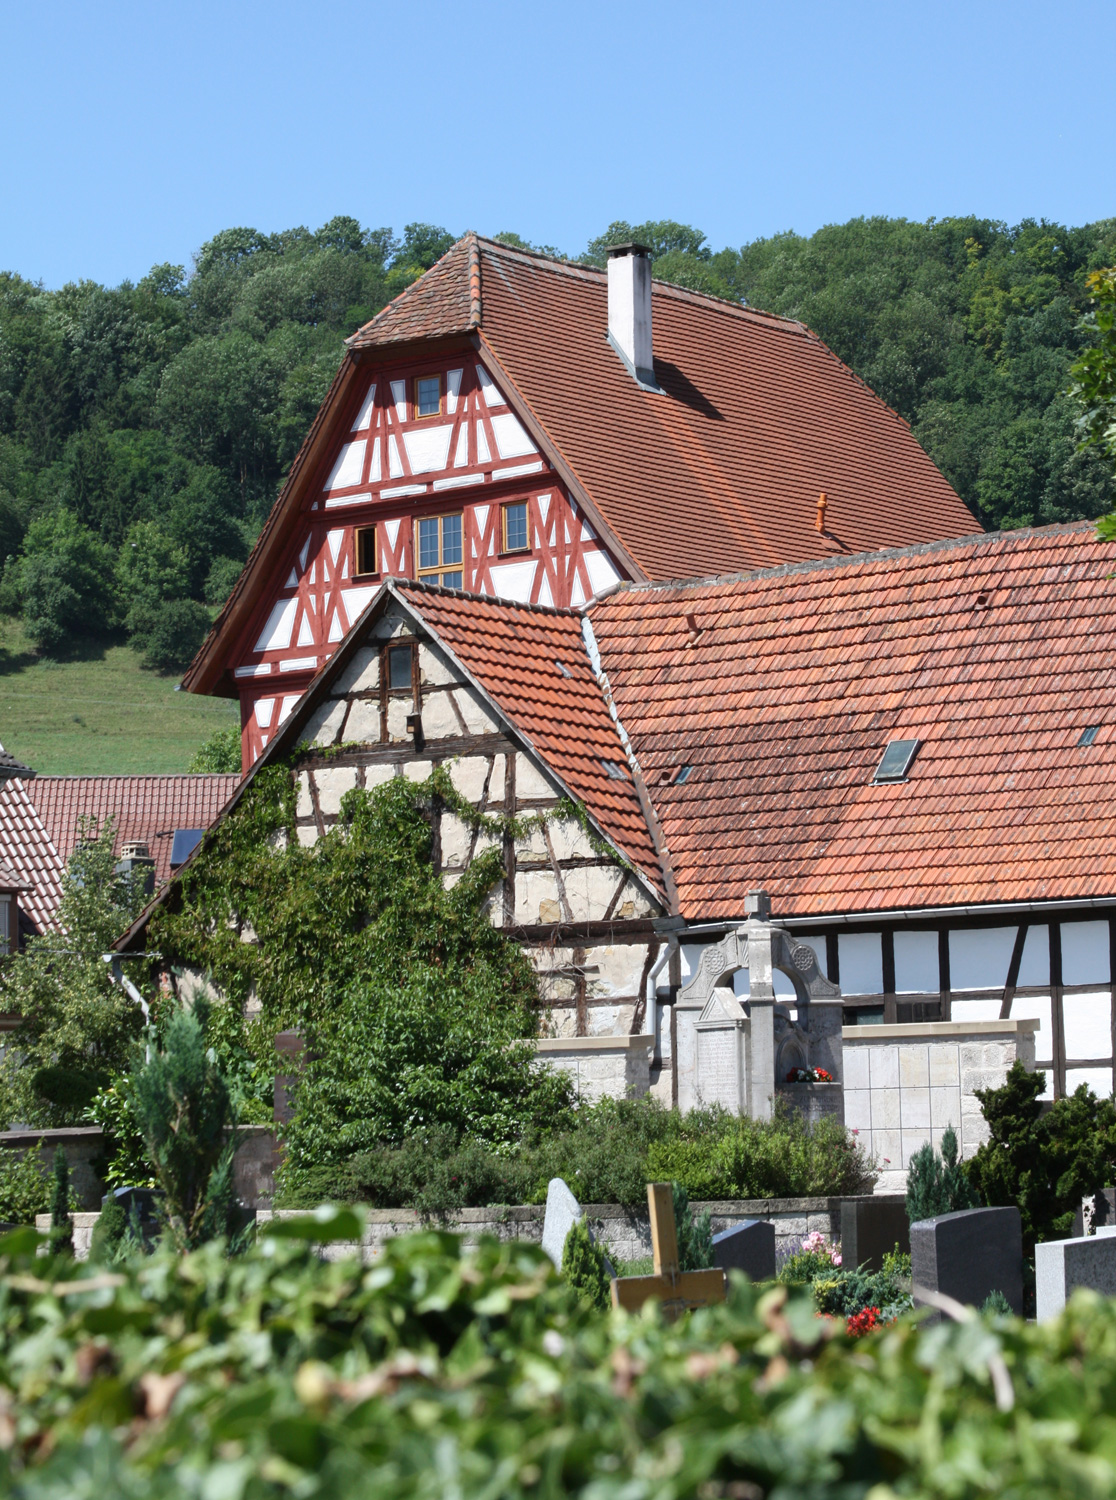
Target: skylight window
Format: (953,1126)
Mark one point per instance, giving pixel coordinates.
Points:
(1089,735)
(896,762)
(683,775)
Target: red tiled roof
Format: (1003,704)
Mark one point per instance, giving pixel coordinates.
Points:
(27,850)
(144,807)
(995,652)
(724,470)
(514,650)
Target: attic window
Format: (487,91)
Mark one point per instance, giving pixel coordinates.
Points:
(364,541)
(428,396)
(896,762)
(400,661)
(614,771)
(1089,735)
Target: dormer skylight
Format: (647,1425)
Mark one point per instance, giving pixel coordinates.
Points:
(1089,735)
(897,759)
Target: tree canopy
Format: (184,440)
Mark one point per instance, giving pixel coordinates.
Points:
(145,429)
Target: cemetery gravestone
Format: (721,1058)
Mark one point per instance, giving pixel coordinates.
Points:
(748,1247)
(563,1211)
(1061,1266)
(969,1254)
(871,1228)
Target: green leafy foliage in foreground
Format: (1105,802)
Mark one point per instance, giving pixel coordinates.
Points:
(607,1152)
(1043,1161)
(432,1373)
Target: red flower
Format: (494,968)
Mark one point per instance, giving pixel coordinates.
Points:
(867,1319)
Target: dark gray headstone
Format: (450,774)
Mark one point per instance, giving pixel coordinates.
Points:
(967,1255)
(749,1247)
(1061,1266)
(871,1228)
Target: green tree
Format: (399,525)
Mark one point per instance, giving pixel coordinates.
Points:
(61,1220)
(64,583)
(937,1184)
(186,1117)
(1094,375)
(220,753)
(75,1027)
(169,633)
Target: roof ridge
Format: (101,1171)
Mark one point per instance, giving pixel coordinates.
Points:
(883,554)
(563,265)
(135,775)
(421,585)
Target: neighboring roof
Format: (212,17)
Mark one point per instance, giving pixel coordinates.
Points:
(150,808)
(9,766)
(995,652)
(26,850)
(720,472)
(514,651)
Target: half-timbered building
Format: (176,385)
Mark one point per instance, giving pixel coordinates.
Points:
(524,428)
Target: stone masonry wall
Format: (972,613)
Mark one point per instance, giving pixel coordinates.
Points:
(905,1084)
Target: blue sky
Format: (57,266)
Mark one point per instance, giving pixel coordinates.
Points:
(131,133)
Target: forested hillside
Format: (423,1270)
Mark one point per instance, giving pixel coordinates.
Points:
(145,429)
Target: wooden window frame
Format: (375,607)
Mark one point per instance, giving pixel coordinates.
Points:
(435,574)
(358,533)
(427,415)
(506,550)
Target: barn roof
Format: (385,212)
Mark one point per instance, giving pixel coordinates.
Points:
(720,471)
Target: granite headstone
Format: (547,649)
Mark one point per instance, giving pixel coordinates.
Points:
(749,1247)
(969,1254)
(1061,1266)
(871,1228)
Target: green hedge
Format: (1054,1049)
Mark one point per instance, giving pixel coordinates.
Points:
(607,1155)
(431,1374)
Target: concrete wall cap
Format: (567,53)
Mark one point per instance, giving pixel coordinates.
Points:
(594,1043)
(914,1030)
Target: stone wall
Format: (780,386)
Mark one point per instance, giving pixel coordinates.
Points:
(905,1084)
(600,1067)
(625,1233)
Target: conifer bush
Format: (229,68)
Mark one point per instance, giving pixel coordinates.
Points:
(937,1184)
(61,1221)
(584,1268)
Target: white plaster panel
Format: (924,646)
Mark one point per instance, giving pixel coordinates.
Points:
(589,890)
(619,969)
(975,1010)
(457,837)
(357,600)
(513,580)
(307,836)
(860,955)
(417,770)
(469,775)
(428,447)
(397,711)
(1097,1079)
(602,574)
(434,668)
(916,963)
(511,439)
(364,415)
(378,775)
(399,396)
(1085,953)
(570,840)
(530,782)
(332,783)
(979,957)
(362,675)
(439,722)
(324,724)
(1035,965)
(363,725)
(492,396)
(1037,1006)
(304,806)
(536,897)
(477,718)
(1087,1020)
(276,634)
(347,469)
(633,901)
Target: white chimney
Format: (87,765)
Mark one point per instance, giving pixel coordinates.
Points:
(629,310)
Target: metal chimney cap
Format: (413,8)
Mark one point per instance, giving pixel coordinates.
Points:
(631,247)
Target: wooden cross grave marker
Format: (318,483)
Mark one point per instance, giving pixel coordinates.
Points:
(676,1289)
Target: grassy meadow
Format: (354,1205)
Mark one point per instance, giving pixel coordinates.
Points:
(98,712)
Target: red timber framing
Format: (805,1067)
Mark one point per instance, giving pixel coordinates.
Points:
(389,469)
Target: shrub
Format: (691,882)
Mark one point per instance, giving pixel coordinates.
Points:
(583,1266)
(1043,1161)
(938,1184)
(695,1235)
(168,633)
(221,752)
(25,1189)
(603,1152)
(437,1175)
(61,1223)
(109,1234)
